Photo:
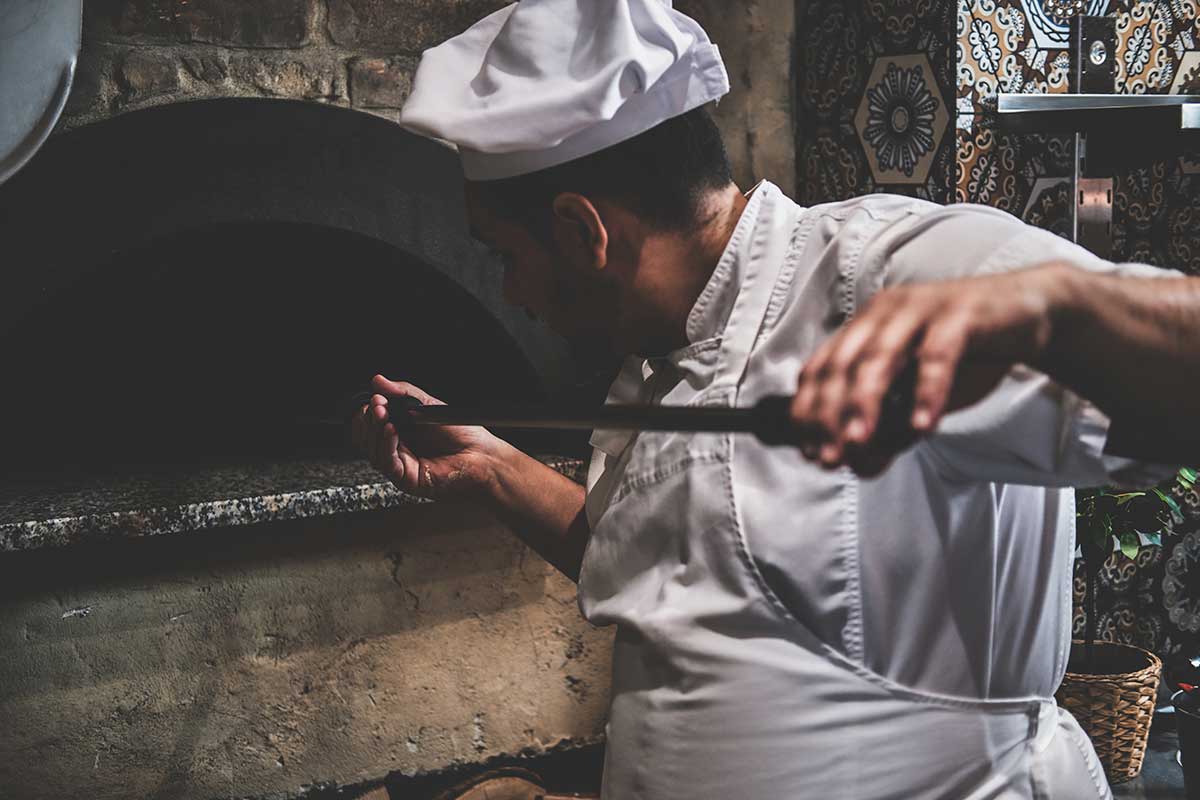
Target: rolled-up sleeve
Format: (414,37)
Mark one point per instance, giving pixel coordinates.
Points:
(1029,430)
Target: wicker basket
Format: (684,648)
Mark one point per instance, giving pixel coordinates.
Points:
(1114,709)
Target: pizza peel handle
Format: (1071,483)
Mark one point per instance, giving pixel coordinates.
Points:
(769,419)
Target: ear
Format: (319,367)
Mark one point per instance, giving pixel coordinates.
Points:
(580,230)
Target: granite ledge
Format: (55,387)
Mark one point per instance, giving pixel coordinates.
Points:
(49,511)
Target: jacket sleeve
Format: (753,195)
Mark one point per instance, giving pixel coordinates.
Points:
(1029,430)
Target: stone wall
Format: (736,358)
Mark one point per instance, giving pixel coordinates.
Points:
(361,54)
(354,53)
(274,660)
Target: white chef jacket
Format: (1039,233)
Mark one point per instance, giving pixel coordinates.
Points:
(784,631)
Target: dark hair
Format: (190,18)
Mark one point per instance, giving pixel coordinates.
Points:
(661,174)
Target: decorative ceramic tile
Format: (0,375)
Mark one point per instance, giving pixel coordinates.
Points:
(990,39)
(1126,610)
(831,61)
(1181,574)
(1049,206)
(1049,19)
(843,52)
(1001,170)
(1187,74)
(901,119)
(1144,63)
(998,51)
(830,170)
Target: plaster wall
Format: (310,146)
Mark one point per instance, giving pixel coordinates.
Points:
(757,116)
(269,661)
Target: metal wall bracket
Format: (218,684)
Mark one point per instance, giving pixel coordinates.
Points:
(1093,48)
(1093,214)
(1093,54)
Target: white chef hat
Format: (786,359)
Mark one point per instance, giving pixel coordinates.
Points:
(542,82)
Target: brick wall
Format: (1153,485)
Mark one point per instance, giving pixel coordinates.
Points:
(352,53)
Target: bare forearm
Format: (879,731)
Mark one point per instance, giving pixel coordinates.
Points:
(1132,347)
(542,506)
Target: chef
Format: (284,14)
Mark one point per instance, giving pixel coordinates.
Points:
(782,630)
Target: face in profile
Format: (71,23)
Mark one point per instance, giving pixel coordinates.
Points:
(552,278)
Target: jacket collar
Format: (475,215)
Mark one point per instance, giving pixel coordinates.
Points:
(705,321)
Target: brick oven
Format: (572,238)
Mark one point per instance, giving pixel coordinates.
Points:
(202,593)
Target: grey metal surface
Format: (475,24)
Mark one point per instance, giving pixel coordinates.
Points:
(1190,116)
(39,44)
(1014,103)
(1093,209)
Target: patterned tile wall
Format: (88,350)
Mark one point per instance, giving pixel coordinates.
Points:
(1153,601)
(875,80)
(1020,46)
(894,96)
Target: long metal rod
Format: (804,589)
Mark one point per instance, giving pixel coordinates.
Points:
(635,417)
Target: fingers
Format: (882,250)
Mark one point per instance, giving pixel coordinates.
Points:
(406,470)
(841,389)
(390,388)
(882,361)
(376,422)
(378,440)
(938,361)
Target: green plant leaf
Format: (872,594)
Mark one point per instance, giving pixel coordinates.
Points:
(1125,497)
(1130,545)
(1170,501)
(1187,477)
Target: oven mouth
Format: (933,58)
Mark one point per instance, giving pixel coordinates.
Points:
(208,281)
(242,340)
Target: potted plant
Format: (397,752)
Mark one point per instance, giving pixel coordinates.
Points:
(1111,687)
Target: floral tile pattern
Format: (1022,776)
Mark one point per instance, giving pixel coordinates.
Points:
(901,119)
(1018,46)
(875,80)
(1001,170)
(1048,18)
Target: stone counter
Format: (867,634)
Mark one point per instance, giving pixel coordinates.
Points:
(276,645)
(57,509)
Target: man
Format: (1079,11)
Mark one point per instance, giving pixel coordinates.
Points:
(782,631)
(1128,344)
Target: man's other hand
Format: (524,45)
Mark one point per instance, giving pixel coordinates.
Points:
(963,336)
(426,460)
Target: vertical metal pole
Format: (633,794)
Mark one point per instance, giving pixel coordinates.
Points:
(1093,71)
(1076,176)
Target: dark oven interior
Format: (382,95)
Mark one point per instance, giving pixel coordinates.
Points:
(210,280)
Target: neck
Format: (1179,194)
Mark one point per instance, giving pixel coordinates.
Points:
(677,266)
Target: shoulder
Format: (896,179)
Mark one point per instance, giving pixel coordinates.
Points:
(870,208)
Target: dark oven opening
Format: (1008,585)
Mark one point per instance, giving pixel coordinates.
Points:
(210,280)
